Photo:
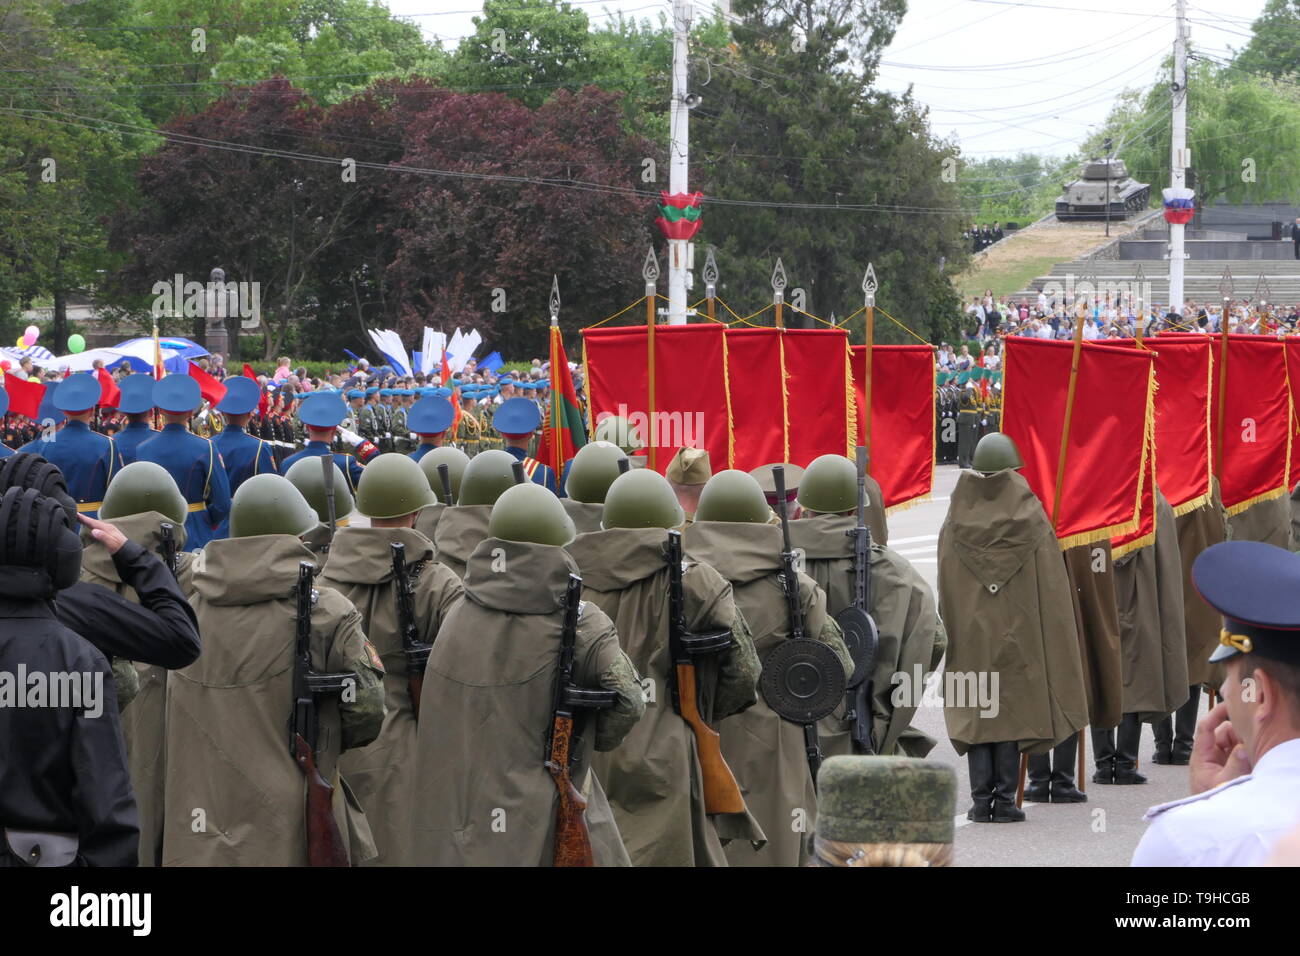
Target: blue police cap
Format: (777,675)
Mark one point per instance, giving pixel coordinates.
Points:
(517,416)
(77,393)
(323,411)
(372,390)
(137,394)
(177,393)
(385,393)
(430,415)
(442,392)
(355,393)
(48,409)
(242,396)
(1256,587)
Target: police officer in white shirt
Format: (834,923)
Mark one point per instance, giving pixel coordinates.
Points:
(1245,766)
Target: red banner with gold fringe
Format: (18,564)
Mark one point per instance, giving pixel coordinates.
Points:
(691,401)
(759,397)
(1254,460)
(1107,439)
(1291,347)
(820,389)
(902,418)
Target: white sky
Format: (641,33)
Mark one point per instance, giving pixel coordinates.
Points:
(1002,76)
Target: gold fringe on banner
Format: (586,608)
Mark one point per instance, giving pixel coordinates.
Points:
(785,402)
(586,388)
(1192,504)
(1249,502)
(911,502)
(726,387)
(851,401)
(1101,534)
(1148,454)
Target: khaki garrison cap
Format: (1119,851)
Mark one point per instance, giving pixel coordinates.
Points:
(690,466)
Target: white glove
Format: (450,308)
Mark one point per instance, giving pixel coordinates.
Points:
(351,437)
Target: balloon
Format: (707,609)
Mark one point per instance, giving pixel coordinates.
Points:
(76,343)
(20,343)
(5,366)
(29,339)
(33,331)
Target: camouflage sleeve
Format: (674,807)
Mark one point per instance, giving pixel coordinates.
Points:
(612,670)
(126,682)
(361,713)
(738,674)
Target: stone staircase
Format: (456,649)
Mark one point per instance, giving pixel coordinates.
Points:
(1201,282)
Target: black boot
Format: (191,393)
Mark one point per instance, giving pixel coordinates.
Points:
(1185,727)
(1063,757)
(1127,737)
(979,760)
(1038,785)
(1163,731)
(1103,752)
(1006,778)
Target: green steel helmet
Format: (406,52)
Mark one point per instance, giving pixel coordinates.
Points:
(270,504)
(829,485)
(733,495)
(308,476)
(617,430)
(144,486)
(641,499)
(487,475)
(456,462)
(594,469)
(995,452)
(391,486)
(530,513)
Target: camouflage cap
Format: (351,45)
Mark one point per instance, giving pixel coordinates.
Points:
(885,800)
(690,466)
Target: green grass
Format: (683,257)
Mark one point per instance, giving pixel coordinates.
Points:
(1004,279)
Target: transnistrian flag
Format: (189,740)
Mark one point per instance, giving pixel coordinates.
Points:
(564,433)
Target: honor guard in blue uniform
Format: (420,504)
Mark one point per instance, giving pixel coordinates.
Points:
(192,461)
(321,413)
(136,404)
(244,454)
(516,419)
(429,418)
(1245,765)
(5,450)
(86,458)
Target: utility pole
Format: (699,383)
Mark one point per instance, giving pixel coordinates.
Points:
(679,152)
(1178,156)
(1108,145)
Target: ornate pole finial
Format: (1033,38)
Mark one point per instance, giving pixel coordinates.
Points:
(555,300)
(1262,292)
(710,274)
(778,281)
(1226,284)
(650,271)
(870,285)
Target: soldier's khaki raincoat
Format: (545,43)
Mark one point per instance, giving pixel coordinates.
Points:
(1267,521)
(143,719)
(1005,600)
(1149,598)
(585,516)
(426,522)
(1197,530)
(483,794)
(1295,518)
(234,794)
(875,513)
(459,531)
(653,778)
(911,634)
(1091,570)
(382,774)
(765,752)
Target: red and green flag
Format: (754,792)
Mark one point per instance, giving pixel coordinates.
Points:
(679,215)
(564,433)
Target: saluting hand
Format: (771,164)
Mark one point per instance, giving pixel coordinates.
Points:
(105,533)
(1218,755)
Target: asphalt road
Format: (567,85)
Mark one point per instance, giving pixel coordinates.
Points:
(1102,832)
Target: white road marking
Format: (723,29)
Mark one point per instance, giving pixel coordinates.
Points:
(913,540)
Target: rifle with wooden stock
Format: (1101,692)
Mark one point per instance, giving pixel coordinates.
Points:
(721,791)
(563,745)
(417,652)
(325,843)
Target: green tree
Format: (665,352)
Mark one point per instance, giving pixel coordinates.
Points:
(1274,48)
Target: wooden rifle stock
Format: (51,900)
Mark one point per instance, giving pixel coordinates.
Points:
(325,846)
(572,841)
(721,791)
(415,687)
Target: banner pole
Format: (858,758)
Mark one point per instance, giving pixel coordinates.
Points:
(1069,414)
(557,441)
(869,286)
(651,274)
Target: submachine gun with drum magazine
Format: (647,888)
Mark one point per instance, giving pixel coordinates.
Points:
(860,632)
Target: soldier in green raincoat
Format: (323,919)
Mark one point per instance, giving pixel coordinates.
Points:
(360,567)
(654,778)
(463,526)
(426,522)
